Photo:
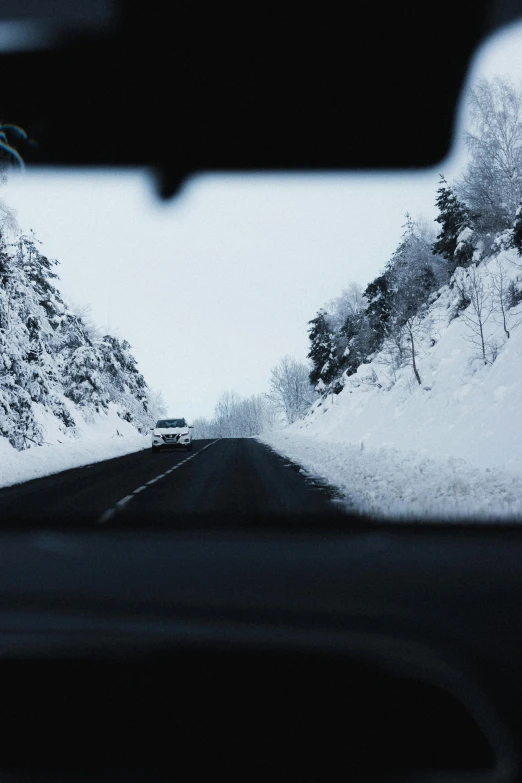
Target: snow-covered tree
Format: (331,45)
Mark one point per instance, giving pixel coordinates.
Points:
(48,354)
(290,390)
(491,186)
(356,340)
(379,298)
(454,242)
(349,304)
(505,297)
(322,354)
(475,287)
(410,273)
(236,417)
(403,342)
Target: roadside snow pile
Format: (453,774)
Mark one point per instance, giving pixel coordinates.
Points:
(97,437)
(451,445)
(397,484)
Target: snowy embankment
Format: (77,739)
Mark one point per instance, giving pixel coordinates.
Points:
(96,437)
(448,448)
(390,482)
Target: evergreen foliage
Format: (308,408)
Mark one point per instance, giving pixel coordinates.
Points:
(322,354)
(379,298)
(454,217)
(49,358)
(391,313)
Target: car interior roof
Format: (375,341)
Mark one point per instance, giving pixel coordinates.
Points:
(277,91)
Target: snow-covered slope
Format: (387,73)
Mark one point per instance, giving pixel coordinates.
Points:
(449,446)
(97,437)
(69,395)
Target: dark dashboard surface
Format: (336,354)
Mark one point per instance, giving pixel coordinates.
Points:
(395,649)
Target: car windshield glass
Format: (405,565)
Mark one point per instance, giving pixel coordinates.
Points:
(344,345)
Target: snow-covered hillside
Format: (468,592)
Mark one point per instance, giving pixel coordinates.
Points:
(449,446)
(69,395)
(98,436)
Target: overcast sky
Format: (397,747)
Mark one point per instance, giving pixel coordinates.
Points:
(212,288)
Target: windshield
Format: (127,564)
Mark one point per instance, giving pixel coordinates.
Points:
(344,344)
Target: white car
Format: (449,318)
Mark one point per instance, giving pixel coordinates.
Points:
(171,433)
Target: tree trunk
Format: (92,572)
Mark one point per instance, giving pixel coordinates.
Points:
(414,364)
(482,342)
(504,319)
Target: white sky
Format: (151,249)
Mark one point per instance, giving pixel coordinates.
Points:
(212,288)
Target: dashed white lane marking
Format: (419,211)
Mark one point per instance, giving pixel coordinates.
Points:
(124,501)
(107,515)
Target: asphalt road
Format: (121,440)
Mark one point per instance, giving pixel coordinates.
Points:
(222,483)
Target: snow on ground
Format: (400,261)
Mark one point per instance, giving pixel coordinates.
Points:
(389,482)
(450,447)
(100,437)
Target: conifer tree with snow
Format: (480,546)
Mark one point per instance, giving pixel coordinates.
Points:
(454,241)
(379,298)
(355,337)
(412,274)
(49,358)
(48,355)
(322,354)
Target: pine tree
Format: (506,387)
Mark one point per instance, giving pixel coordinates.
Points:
(325,365)
(38,268)
(359,342)
(453,217)
(410,275)
(379,298)
(48,353)
(126,384)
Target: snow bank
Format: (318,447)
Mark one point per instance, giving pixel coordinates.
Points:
(100,436)
(389,482)
(450,446)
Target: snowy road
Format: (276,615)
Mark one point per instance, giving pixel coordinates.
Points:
(221,483)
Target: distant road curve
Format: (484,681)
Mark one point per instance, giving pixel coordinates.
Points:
(224,483)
